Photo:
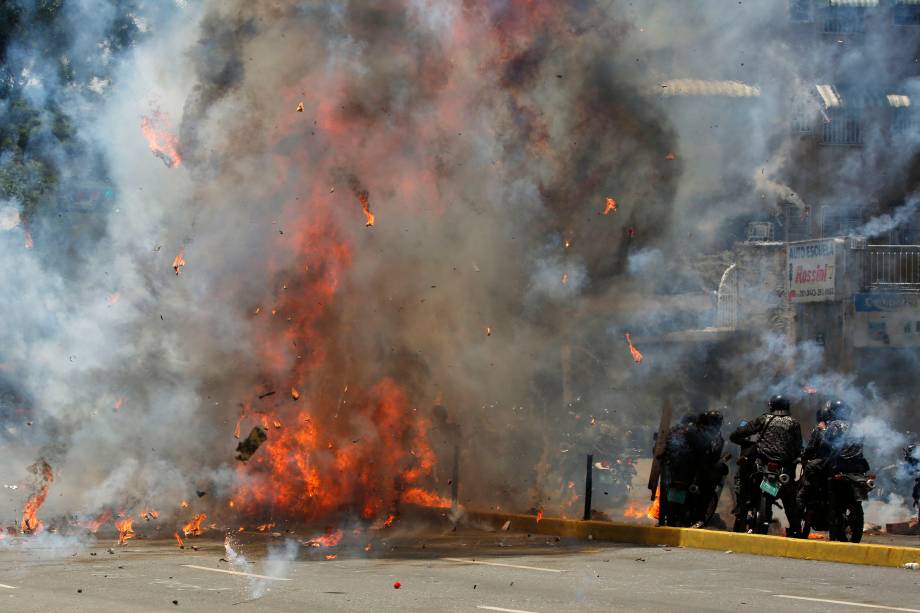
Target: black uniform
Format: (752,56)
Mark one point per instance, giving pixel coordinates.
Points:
(779,440)
(912,457)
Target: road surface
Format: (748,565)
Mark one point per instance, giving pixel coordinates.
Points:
(458,571)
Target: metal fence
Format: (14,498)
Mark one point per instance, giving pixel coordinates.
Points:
(891,266)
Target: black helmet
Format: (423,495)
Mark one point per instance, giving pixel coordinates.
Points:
(839,410)
(779,405)
(711,418)
(823,414)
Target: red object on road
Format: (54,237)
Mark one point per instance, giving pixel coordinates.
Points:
(397,585)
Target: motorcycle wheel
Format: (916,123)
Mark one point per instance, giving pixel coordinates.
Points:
(764,516)
(848,528)
(806,527)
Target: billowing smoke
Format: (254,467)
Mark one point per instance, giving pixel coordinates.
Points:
(256,140)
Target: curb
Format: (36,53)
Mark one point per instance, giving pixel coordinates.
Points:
(756,544)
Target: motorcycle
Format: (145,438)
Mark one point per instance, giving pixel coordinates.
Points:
(837,507)
(690,498)
(763,492)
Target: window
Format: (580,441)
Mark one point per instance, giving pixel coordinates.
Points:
(800,11)
(844,19)
(906,13)
(840,222)
(842,127)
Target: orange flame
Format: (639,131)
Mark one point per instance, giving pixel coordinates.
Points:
(125,529)
(815,536)
(93,525)
(389,520)
(30,523)
(331,556)
(179,262)
(636,356)
(417,495)
(148,515)
(163,144)
(539,515)
(330,539)
(364,199)
(193,528)
(295,393)
(636,510)
(236,431)
(654,509)
(179,540)
(264,527)
(610,206)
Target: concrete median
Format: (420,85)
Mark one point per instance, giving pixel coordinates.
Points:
(757,544)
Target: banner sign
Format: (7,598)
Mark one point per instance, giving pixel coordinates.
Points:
(811,266)
(886,319)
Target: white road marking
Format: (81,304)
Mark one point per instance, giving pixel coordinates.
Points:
(545,570)
(487,608)
(9,587)
(233,572)
(847,603)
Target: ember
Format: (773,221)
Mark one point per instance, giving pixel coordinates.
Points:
(331,556)
(389,520)
(610,206)
(178,263)
(30,523)
(539,515)
(636,356)
(300,107)
(125,529)
(295,393)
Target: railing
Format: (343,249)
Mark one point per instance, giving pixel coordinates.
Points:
(891,266)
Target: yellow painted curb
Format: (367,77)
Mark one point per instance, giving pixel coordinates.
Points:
(757,544)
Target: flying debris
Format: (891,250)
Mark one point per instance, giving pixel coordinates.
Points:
(300,107)
(636,356)
(295,393)
(670,157)
(250,444)
(610,206)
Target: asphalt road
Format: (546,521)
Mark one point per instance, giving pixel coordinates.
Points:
(468,572)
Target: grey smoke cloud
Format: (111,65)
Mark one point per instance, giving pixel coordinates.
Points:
(482,134)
